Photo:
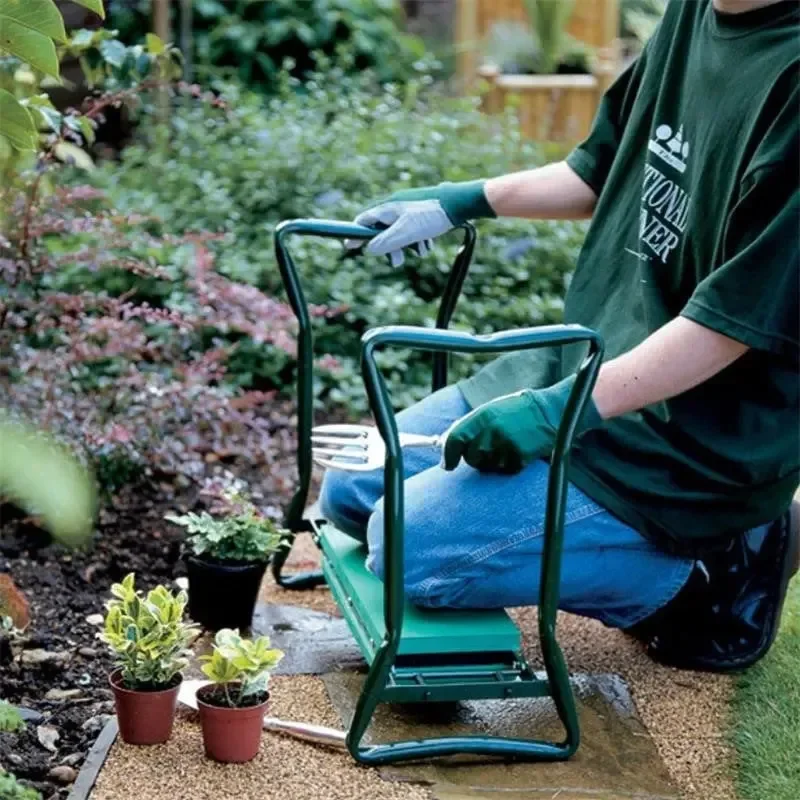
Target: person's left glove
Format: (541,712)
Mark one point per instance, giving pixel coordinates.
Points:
(508,433)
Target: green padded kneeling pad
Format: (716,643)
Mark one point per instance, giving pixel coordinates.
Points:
(425,631)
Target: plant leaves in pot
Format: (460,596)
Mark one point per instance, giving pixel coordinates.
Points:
(232,708)
(150,641)
(226,557)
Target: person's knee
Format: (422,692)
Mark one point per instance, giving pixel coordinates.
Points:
(339,501)
(418,565)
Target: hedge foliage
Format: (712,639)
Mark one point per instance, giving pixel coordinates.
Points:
(326,152)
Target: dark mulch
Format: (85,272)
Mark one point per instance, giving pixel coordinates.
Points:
(64,588)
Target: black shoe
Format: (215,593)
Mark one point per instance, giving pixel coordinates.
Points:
(727,615)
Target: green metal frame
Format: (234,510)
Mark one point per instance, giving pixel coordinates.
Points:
(386,680)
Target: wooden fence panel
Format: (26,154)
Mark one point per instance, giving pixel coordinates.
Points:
(593,21)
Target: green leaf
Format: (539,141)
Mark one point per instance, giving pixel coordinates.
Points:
(154,44)
(32,47)
(41,16)
(17,125)
(113,52)
(82,38)
(87,129)
(93,5)
(41,106)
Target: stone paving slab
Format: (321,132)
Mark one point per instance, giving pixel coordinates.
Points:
(313,642)
(617,759)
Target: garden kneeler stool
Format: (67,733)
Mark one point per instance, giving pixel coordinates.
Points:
(432,655)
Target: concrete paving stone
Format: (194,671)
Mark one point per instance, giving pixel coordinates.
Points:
(617,759)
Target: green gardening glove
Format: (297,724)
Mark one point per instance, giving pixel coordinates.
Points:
(415,217)
(507,434)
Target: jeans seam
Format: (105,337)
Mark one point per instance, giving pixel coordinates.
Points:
(487,551)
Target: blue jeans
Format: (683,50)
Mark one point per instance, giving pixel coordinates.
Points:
(474,540)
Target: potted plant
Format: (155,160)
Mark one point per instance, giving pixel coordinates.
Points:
(551,60)
(544,47)
(232,707)
(149,638)
(226,557)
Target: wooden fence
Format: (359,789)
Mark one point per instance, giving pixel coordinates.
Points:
(550,107)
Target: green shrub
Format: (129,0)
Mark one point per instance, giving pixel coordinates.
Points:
(327,154)
(248,40)
(243,535)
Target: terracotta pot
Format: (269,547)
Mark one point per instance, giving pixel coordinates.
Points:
(223,594)
(230,735)
(144,717)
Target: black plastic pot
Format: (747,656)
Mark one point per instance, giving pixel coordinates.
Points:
(223,594)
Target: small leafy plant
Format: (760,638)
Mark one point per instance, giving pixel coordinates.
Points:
(147,634)
(244,535)
(241,668)
(10,719)
(12,789)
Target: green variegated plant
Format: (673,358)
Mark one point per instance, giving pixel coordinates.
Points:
(147,634)
(241,667)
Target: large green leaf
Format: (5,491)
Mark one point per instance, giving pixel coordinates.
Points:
(16,124)
(48,481)
(41,16)
(92,5)
(32,47)
(72,154)
(113,52)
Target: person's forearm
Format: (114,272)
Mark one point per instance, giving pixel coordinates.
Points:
(674,359)
(550,192)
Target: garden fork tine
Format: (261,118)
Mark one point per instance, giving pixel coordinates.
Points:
(358,448)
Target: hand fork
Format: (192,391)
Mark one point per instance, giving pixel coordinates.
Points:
(359,448)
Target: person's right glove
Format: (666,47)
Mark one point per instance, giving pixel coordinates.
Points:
(508,433)
(414,217)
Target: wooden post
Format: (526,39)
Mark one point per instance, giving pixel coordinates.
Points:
(494,99)
(466,42)
(161,28)
(607,64)
(161,22)
(187,39)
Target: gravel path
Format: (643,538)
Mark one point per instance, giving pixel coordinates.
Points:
(685,712)
(285,769)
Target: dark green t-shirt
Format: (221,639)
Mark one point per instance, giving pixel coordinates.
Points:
(694,158)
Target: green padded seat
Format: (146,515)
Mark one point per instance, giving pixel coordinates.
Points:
(425,631)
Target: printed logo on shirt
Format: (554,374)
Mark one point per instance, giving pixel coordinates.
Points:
(674,149)
(664,212)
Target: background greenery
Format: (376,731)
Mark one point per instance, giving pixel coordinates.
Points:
(326,152)
(249,40)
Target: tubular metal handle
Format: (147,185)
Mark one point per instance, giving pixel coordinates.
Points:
(334,229)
